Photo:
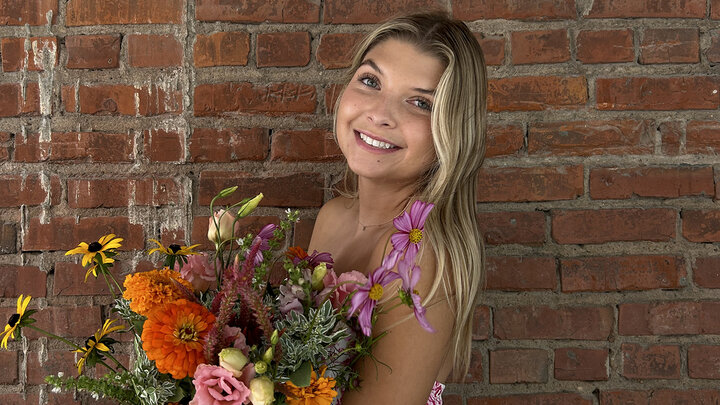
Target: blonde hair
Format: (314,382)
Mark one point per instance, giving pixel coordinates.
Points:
(458,125)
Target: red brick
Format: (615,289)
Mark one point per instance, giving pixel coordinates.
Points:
(669,318)
(543,322)
(703,137)
(481,323)
(470,10)
(294,190)
(715,9)
(52,362)
(522,227)
(530,184)
(532,399)
(118,99)
(335,50)
(302,232)
(547,46)
(14,54)
(70,280)
(671,134)
(586,138)
(647,8)
(12,102)
(228,145)
(706,272)
(609,46)
(154,51)
(101,12)
(493,49)
(93,51)
(704,361)
(701,226)
(8,368)
(657,93)
(536,93)
(621,273)
(316,145)
(222,49)
(283,49)
(373,11)
(67,322)
(510,366)
(31,12)
(676,45)
(610,225)
(8,238)
(617,183)
(19,399)
(713,51)
(32,189)
(504,140)
(75,146)
(164,146)
(156,192)
(112,193)
(653,362)
(27,280)
(521,273)
(271,99)
(696,397)
(282,11)
(577,364)
(332,93)
(64,233)
(251,224)
(624,398)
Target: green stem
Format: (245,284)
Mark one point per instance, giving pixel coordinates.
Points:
(110,356)
(105,276)
(67,342)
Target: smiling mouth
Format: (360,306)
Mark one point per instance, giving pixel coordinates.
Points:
(374,142)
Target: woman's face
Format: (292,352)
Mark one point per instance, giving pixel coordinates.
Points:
(383,118)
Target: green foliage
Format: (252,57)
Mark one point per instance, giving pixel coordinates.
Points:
(112,385)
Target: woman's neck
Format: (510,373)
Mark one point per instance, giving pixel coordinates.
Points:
(379,204)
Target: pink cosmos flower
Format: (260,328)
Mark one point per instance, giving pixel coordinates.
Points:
(410,228)
(366,297)
(198,271)
(217,386)
(263,238)
(337,289)
(410,275)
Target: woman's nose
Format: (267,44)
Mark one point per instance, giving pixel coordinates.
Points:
(380,113)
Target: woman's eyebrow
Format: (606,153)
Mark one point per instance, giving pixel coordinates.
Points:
(374,65)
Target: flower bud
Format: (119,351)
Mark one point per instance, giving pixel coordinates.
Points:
(261,367)
(262,391)
(275,337)
(316,280)
(268,356)
(249,206)
(224,228)
(233,360)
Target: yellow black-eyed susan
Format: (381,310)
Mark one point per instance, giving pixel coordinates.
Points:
(95,344)
(174,253)
(101,252)
(17,320)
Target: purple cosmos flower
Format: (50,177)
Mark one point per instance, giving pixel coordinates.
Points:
(263,238)
(366,297)
(410,228)
(410,275)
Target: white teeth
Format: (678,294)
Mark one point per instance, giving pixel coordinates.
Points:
(374,142)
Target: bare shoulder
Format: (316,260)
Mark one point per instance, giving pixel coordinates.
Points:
(331,213)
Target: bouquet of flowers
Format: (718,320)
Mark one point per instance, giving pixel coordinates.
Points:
(244,325)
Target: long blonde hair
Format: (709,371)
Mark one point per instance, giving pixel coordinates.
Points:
(458,126)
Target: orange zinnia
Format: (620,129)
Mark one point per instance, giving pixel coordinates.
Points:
(173,337)
(319,392)
(150,289)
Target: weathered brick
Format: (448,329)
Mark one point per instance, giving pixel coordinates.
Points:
(546,46)
(543,322)
(704,361)
(706,272)
(607,46)
(713,51)
(470,10)
(164,146)
(271,99)
(32,189)
(701,225)
(660,397)
(657,93)
(621,273)
(335,50)
(511,366)
(283,49)
(112,193)
(8,238)
(372,11)
(294,190)
(522,227)
(70,280)
(316,145)
(493,48)
(101,12)
(64,233)
(8,368)
(577,364)
(332,93)
(619,183)
(504,140)
(12,102)
(19,398)
(530,184)
(228,145)
(585,138)
(671,45)
(702,137)
(78,322)
(5,138)
(532,399)
(653,362)
(536,93)
(520,273)
(610,225)
(75,146)
(51,362)
(222,49)
(302,232)
(669,318)
(16,280)
(481,323)
(671,134)
(93,51)
(715,9)
(282,11)
(31,12)
(14,55)
(118,99)
(154,51)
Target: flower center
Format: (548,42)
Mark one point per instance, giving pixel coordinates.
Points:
(90,342)
(376,292)
(14,318)
(415,235)
(174,248)
(186,333)
(94,247)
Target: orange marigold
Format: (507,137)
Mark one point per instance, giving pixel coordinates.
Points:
(319,392)
(173,336)
(150,289)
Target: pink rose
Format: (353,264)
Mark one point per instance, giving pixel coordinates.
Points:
(340,287)
(224,229)
(215,385)
(198,271)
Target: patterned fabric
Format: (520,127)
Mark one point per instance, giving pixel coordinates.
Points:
(436,394)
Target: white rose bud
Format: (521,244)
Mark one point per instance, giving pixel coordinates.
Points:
(262,391)
(233,360)
(261,367)
(224,222)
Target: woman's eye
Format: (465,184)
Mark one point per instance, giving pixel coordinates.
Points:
(424,104)
(369,81)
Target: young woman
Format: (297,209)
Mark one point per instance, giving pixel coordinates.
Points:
(411,125)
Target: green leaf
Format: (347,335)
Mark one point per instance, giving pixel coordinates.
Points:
(301,376)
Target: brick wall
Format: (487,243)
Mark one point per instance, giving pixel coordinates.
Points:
(598,199)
